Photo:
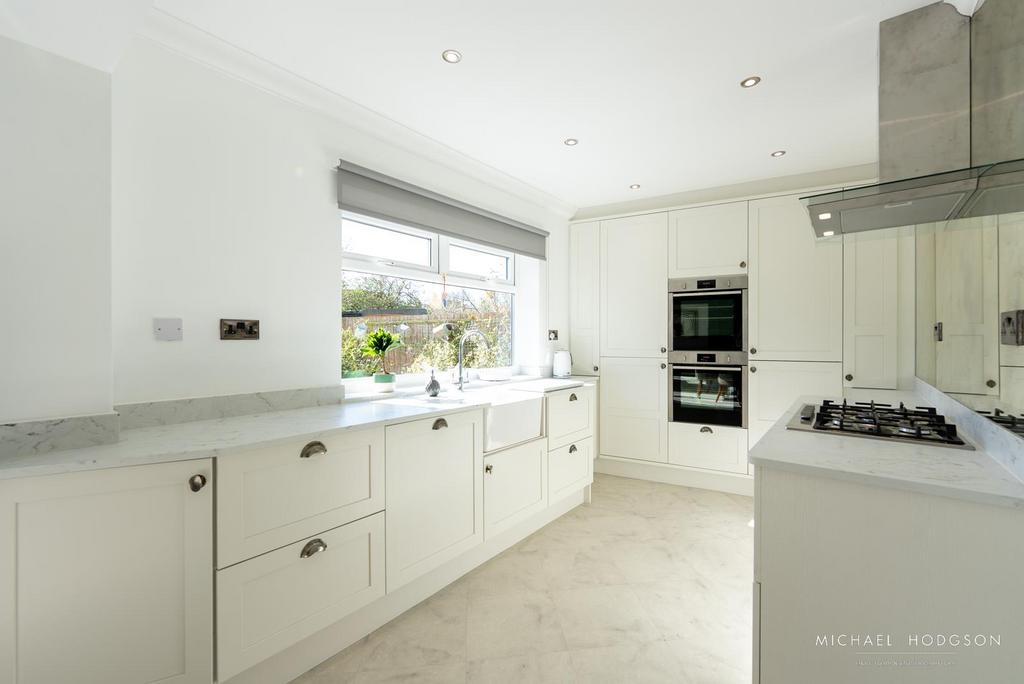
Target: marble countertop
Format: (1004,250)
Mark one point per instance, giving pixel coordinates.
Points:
(208,438)
(959,473)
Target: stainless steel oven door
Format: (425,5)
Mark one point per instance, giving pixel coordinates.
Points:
(709,394)
(711,320)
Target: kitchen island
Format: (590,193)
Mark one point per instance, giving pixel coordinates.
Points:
(884,562)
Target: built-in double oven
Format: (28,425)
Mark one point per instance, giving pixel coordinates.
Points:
(708,354)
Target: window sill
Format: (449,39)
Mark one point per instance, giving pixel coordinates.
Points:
(362,390)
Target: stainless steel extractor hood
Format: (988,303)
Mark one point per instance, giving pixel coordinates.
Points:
(978,191)
(951,122)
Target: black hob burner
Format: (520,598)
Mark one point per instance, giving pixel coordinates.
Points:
(921,424)
(1014,424)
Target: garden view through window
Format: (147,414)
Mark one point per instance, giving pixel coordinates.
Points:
(397,279)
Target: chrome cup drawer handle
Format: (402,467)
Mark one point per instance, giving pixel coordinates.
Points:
(314,448)
(312,548)
(573,449)
(707,430)
(439,423)
(573,397)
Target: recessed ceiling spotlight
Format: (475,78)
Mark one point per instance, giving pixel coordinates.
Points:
(828,233)
(451,56)
(825,216)
(778,153)
(571,142)
(750,81)
(634,186)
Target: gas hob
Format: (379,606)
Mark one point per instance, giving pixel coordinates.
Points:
(1014,424)
(919,425)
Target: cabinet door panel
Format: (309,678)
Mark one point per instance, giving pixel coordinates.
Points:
(571,415)
(570,468)
(796,285)
(584,297)
(434,471)
(634,409)
(272,496)
(967,305)
(708,241)
(634,286)
(270,602)
(776,385)
(714,447)
(515,485)
(871,309)
(106,576)
(1011,280)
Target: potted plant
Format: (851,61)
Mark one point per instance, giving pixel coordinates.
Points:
(377,345)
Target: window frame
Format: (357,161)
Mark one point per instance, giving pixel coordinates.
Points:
(439,257)
(445,260)
(364,260)
(436,273)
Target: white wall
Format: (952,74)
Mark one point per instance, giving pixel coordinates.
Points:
(54,236)
(225,206)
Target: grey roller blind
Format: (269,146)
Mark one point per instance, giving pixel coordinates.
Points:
(367,192)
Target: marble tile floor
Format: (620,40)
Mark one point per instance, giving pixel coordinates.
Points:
(649,583)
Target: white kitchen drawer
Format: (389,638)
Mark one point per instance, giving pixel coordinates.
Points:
(270,602)
(570,415)
(570,468)
(515,485)
(714,447)
(273,496)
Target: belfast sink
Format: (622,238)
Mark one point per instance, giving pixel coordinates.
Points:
(512,418)
(509,417)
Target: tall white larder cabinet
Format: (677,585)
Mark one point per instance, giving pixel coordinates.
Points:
(584,297)
(634,286)
(106,576)
(634,337)
(795,313)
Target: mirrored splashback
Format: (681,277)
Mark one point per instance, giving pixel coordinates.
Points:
(970,313)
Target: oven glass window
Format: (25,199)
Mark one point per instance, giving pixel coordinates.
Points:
(712,322)
(707,394)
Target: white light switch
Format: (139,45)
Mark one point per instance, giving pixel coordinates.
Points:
(167,329)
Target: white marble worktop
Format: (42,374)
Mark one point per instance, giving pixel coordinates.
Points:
(209,438)
(972,475)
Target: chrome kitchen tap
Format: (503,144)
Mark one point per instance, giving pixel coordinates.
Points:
(462,343)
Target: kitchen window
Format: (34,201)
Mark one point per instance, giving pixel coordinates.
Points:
(428,289)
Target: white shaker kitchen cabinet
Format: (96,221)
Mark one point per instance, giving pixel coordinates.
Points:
(106,576)
(515,485)
(708,241)
(634,286)
(776,385)
(1011,282)
(634,409)
(711,447)
(434,492)
(571,414)
(584,297)
(796,285)
(871,309)
(273,496)
(570,468)
(277,599)
(967,306)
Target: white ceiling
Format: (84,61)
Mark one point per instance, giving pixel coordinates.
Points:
(649,87)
